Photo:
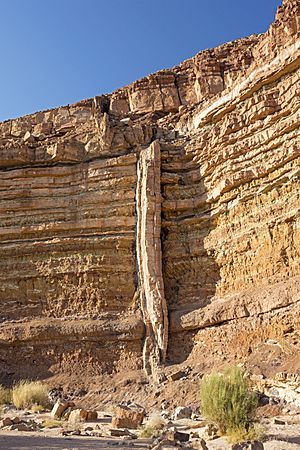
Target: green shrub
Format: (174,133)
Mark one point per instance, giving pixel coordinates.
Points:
(28,393)
(5,395)
(227,401)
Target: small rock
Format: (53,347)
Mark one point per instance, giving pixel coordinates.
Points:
(16,420)
(199,444)
(170,447)
(182,412)
(21,427)
(165,404)
(75,433)
(92,415)
(279,422)
(6,422)
(55,394)
(165,444)
(28,137)
(95,433)
(119,433)
(176,375)
(126,120)
(71,432)
(211,431)
(172,434)
(182,108)
(249,445)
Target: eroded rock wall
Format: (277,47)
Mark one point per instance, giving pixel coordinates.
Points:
(173,199)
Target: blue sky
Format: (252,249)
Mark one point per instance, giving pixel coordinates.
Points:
(55,52)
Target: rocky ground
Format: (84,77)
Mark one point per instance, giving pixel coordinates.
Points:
(278,437)
(23,429)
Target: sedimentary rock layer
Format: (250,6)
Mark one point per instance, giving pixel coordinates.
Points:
(176,198)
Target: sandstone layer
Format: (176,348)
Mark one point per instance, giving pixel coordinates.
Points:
(159,220)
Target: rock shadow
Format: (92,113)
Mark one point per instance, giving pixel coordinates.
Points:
(190,271)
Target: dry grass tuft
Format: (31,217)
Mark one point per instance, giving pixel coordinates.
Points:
(5,396)
(28,393)
(153,427)
(52,423)
(256,432)
(37,408)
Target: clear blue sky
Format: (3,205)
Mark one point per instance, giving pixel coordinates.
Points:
(55,52)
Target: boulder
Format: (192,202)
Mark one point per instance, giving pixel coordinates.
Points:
(82,415)
(131,416)
(59,408)
(78,415)
(182,412)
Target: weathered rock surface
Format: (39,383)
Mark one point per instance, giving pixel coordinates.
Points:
(128,416)
(176,198)
(81,415)
(59,409)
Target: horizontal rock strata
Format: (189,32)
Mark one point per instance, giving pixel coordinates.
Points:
(176,198)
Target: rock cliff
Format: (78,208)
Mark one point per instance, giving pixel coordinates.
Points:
(158,222)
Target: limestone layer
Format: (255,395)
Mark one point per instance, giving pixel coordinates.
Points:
(175,199)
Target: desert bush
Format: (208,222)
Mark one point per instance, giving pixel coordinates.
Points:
(25,394)
(5,395)
(227,401)
(153,427)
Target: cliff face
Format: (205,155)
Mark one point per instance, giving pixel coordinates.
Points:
(134,224)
